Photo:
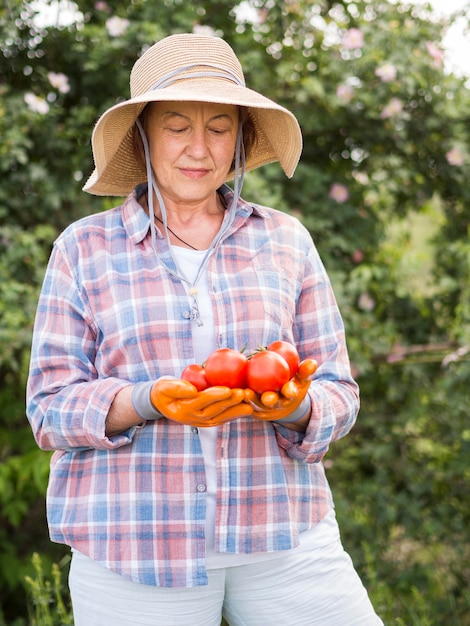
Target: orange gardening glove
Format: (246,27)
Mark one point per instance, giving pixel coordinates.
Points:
(290,402)
(180,401)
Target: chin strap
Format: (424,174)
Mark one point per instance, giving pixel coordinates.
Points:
(229,217)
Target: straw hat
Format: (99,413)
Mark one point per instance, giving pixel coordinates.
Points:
(187,67)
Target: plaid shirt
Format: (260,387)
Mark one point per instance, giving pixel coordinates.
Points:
(110,314)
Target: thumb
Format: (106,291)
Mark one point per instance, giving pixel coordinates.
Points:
(174,388)
(306,370)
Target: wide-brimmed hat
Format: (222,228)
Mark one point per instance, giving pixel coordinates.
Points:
(184,68)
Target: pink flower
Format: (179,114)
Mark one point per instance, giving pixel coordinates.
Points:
(435,53)
(352,39)
(361,177)
(102,6)
(339,193)
(393,108)
(455,156)
(59,81)
(366,302)
(345,92)
(36,104)
(386,72)
(116,26)
(357,256)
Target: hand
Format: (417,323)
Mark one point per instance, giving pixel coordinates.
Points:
(180,401)
(272,406)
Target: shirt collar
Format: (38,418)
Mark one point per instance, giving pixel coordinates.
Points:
(135,219)
(137,224)
(244,208)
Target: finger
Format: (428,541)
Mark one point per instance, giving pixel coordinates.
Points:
(252,399)
(307,369)
(249,395)
(229,415)
(207,397)
(283,408)
(230,406)
(269,399)
(175,388)
(186,420)
(265,416)
(256,404)
(191,420)
(290,389)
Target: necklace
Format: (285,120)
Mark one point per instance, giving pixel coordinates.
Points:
(175,235)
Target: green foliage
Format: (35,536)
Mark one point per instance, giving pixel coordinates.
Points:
(407,500)
(50,606)
(48,597)
(382,186)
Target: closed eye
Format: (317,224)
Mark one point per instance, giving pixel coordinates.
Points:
(176,131)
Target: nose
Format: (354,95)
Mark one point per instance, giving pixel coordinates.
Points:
(197,146)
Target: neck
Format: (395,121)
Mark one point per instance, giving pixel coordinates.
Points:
(193,228)
(176,236)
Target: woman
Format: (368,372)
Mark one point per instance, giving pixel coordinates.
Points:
(180,505)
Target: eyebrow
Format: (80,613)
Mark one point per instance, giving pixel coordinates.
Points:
(177,114)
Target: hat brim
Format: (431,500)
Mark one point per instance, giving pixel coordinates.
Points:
(117,171)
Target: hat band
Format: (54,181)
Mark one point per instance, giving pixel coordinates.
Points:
(183,73)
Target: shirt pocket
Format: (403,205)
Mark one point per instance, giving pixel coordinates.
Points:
(267,301)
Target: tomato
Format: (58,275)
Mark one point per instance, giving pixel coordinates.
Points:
(267,371)
(226,367)
(196,375)
(288,352)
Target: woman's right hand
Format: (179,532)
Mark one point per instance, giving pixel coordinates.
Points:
(180,401)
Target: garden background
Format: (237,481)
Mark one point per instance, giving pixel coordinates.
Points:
(383,186)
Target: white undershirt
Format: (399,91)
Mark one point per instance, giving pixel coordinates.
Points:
(203,344)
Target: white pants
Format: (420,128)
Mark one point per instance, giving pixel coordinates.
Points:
(319,587)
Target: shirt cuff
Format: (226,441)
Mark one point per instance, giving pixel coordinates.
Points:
(300,412)
(142,403)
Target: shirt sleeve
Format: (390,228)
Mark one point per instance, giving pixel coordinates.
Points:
(334,393)
(67,402)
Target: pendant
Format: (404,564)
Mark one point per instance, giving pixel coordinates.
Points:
(195,315)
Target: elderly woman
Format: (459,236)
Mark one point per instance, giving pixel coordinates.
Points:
(180,505)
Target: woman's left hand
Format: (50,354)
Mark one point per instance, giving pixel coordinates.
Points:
(273,406)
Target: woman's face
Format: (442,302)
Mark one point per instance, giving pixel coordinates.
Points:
(191,147)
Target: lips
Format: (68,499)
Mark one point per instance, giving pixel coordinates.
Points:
(194,173)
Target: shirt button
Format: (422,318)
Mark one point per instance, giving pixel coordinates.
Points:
(201,487)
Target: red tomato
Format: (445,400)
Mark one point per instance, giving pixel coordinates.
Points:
(196,375)
(226,367)
(267,371)
(288,352)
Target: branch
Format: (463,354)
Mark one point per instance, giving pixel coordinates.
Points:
(445,352)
